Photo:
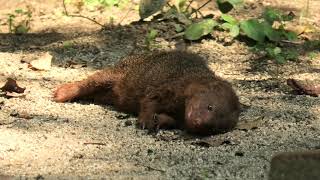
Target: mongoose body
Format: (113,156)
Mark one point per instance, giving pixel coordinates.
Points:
(166,90)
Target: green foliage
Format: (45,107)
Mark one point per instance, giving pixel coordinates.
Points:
(270,33)
(230,24)
(271,15)
(258,29)
(69,47)
(197,30)
(253,29)
(312,55)
(229,19)
(67,44)
(150,38)
(276,53)
(178,28)
(19,21)
(267,30)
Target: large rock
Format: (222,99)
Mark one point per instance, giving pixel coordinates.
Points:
(296,166)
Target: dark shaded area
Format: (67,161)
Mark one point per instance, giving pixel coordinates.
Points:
(71,46)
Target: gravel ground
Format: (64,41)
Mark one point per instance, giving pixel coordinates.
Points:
(41,138)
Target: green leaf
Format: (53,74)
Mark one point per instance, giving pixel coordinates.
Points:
(271,15)
(178,27)
(21,29)
(292,55)
(197,30)
(253,29)
(229,19)
(67,44)
(18,11)
(270,51)
(226,26)
(235,30)
(272,34)
(280,59)
(273,51)
(151,36)
(291,36)
(149,7)
(276,50)
(312,55)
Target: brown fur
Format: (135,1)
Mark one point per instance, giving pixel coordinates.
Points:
(166,90)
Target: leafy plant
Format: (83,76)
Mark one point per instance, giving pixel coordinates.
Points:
(312,55)
(267,30)
(230,24)
(19,21)
(280,55)
(150,38)
(253,29)
(260,29)
(197,30)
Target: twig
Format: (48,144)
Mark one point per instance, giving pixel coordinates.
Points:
(189,4)
(79,15)
(4,124)
(168,4)
(94,143)
(198,10)
(292,42)
(152,168)
(130,9)
(175,36)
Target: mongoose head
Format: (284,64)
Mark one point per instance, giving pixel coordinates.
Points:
(211,109)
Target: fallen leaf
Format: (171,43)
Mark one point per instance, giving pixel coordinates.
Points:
(12,86)
(43,63)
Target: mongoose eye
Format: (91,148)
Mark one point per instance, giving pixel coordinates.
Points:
(210,108)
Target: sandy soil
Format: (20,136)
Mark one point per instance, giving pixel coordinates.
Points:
(40,138)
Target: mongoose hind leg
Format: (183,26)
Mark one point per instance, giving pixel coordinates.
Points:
(96,83)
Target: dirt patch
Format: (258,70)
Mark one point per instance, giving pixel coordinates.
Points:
(79,139)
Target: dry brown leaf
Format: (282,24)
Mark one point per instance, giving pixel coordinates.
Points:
(43,63)
(11,89)
(12,86)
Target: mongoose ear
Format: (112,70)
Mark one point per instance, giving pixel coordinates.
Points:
(194,88)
